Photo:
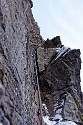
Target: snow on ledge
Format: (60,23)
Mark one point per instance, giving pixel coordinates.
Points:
(66,123)
(48,122)
(62,51)
(53,121)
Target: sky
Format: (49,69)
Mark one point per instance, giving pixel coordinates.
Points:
(62,18)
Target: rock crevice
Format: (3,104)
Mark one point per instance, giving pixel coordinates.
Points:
(58,75)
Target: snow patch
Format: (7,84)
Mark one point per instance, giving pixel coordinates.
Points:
(47,121)
(66,123)
(1,124)
(59,111)
(44,106)
(44,110)
(57,119)
(61,51)
(59,104)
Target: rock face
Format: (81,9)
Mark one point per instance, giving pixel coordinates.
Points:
(22,51)
(60,87)
(45,52)
(53,43)
(19,37)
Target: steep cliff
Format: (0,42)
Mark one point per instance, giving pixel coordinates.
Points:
(19,37)
(60,84)
(28,96)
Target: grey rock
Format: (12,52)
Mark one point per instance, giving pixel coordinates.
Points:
(61,81)
(59,72)
(19,37)
(53,43)
(6,121)
(1,92)
(71,109)
(44,56)
(65,71)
